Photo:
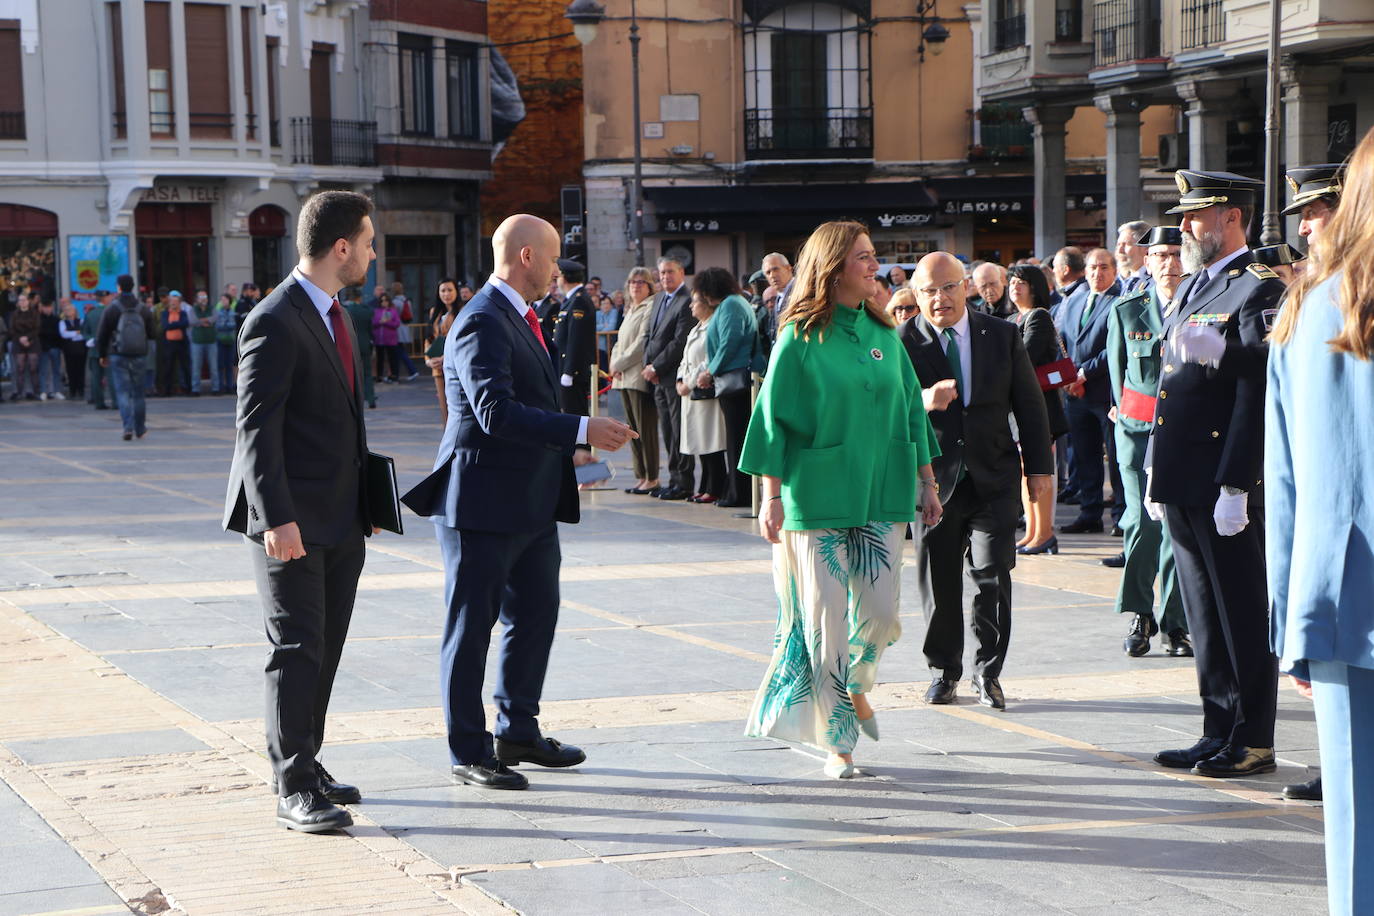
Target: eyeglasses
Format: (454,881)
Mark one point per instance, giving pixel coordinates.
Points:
(903,308)
(930,292)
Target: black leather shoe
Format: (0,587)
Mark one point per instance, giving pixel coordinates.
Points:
(1305,791)
(1186,758)
(311,812)
(989,692)
(546,752)
(673,493)
(338,792)
(1137,641)
(1178,645)
(1082,526)
(1118,533)
(942,691)
(1067,498)
(1237,761)
(1116,562)
(489,774)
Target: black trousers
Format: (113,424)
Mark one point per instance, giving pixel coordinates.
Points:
(682,469)
(735,408)
(976,536)
(1227,606)
(714,474)
(1093,437)
(307,604)
(573,400)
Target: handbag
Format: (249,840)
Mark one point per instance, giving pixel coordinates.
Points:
(732,382)
(1059,373)
(703,394)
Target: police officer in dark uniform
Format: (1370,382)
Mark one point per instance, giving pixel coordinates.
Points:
(1316,194)
(575,338)
(1203,471)
(547,309)
(1281,259)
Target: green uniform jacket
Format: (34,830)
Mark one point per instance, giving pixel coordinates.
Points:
(362,324)
(841,422)
(1134,355)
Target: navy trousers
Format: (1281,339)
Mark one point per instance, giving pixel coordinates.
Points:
(491,576)
(1092,437)
(1344,695)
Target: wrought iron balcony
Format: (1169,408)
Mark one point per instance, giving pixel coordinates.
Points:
(325,141)
(1124,31)
(12,125)
(1009,32)
(808,133)
(1204,23)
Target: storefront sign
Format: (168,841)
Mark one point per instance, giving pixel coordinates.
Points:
(959,207)
(672,224)
(891,220)
(96,262)
(182,194)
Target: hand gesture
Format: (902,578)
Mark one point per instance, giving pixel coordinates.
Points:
(1200,343)
(608,434)
(704,380)
(940,395)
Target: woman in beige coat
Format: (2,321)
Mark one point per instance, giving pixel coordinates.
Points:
(703,423)
(626,364)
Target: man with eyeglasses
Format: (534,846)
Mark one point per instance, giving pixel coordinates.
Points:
(975,374)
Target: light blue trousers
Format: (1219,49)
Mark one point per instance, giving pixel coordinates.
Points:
(1344,696)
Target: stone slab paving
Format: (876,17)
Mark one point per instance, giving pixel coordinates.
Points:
(133,778)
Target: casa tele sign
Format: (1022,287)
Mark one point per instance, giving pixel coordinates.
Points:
(181,194)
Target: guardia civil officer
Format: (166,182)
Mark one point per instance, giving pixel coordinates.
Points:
(575,338)
(1204,470)
(1133,361)
(1283,259)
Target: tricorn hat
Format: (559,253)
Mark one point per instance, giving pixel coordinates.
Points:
(1200,190)
(1161,235)
(568,265)
(1274,255)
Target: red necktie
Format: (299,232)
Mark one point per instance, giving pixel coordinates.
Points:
(341,341)
(533,322)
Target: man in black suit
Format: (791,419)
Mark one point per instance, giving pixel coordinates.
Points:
(974,371)
(297,491)
(575,338)
(1084,332)
(669,324)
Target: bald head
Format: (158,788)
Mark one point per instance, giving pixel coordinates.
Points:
(525,254)
(941,290)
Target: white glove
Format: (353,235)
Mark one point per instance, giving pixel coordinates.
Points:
(1230,514)
(566,381)
(1153,509)
(1201,344)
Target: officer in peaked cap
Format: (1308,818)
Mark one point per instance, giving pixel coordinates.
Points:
(1316,194)
(575,337)
(1283,259)
(1204,466)
(1133,362)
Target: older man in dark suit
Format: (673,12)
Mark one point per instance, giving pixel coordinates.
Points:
(296,489)
(502,481)
(975,373)
(669,324)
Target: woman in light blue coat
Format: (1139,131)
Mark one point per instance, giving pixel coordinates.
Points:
(1319,482)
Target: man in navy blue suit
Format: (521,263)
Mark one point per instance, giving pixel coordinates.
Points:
(1084,327)
(502,481)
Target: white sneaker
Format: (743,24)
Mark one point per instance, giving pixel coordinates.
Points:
(43,396)
(60,396)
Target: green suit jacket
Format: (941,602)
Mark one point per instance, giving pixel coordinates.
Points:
(1133,360)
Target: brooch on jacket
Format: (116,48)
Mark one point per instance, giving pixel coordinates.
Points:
(876,353)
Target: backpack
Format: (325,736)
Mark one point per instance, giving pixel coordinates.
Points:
(131,333)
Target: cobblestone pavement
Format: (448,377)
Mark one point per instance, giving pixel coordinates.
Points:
(131,751)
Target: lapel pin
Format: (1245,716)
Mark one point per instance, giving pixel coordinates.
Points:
(876,354)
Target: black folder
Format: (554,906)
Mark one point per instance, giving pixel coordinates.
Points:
(383,496)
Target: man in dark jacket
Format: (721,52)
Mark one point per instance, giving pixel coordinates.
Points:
(123,350)
(669,324)
(575,339)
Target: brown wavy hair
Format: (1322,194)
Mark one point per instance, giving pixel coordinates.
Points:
(1343,248)
(810,307)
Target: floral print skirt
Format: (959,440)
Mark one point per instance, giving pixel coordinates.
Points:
(838,592)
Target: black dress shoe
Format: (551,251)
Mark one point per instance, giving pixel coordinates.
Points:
(1116,562)
(1118,533)
(1067,498)
(989,692)
(311,812)
(489,774)
(1137,641)
(1237,761)
(1083,526)
(673,493)
(1178,645)
(546,752)
(339,793)
(1186,758)
(942,691)
(732,504)
(1305,791)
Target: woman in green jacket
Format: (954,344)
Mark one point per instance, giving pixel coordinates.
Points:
(840,437)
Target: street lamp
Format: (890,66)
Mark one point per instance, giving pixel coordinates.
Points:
(586,16)
(1271,232)
(933,35)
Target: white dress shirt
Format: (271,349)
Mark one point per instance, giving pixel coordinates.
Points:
(318,297)
(522,309)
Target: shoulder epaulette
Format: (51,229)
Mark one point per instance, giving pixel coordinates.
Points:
(1262,271)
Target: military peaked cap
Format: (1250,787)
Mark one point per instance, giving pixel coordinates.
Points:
(1199,190)
(1313,182)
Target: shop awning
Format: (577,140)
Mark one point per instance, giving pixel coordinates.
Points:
(787,208)
(981,194)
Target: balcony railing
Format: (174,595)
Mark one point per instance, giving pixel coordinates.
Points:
(1009,32)
(808,133)
(1204,23)
(324,141)
(12,125)
(1125,30)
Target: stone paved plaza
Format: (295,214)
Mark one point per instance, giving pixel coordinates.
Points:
(134,776)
